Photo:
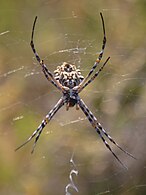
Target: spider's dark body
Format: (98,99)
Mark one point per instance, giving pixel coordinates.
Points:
(71,99)
(69,81)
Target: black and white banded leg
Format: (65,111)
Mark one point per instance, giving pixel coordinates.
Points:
(40,128)
(100,54)
(45,70)
(100,130)
(94,76)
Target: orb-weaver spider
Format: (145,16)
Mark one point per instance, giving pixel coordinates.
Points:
(68,79)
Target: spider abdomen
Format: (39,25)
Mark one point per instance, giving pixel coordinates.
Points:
(68,75)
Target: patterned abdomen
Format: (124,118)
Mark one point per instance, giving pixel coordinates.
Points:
(68,75)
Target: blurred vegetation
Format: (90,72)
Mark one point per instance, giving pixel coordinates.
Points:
(117,97)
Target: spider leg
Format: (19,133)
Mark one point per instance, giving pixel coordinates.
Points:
(32,44)
(94,76)
(48,78)
(47,119)
(46,72)
(100,54)
(112,140)
(99,129)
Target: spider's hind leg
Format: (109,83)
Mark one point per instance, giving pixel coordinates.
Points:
(113,141)
(40,128)
(37,132)
(99,129)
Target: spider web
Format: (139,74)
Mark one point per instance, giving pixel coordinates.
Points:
(116,97)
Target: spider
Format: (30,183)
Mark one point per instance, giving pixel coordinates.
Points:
(69,80)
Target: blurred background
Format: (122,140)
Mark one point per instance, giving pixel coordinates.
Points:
(71,31)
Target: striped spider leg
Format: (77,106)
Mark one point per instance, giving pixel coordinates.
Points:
(44,122)
(99,57)
(93,77)
(45,70)
(101,131)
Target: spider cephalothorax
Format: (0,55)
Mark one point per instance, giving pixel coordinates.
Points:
(68,75)
(68,80)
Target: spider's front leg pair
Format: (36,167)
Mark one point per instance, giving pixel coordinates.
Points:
(45,70)
(97,60)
